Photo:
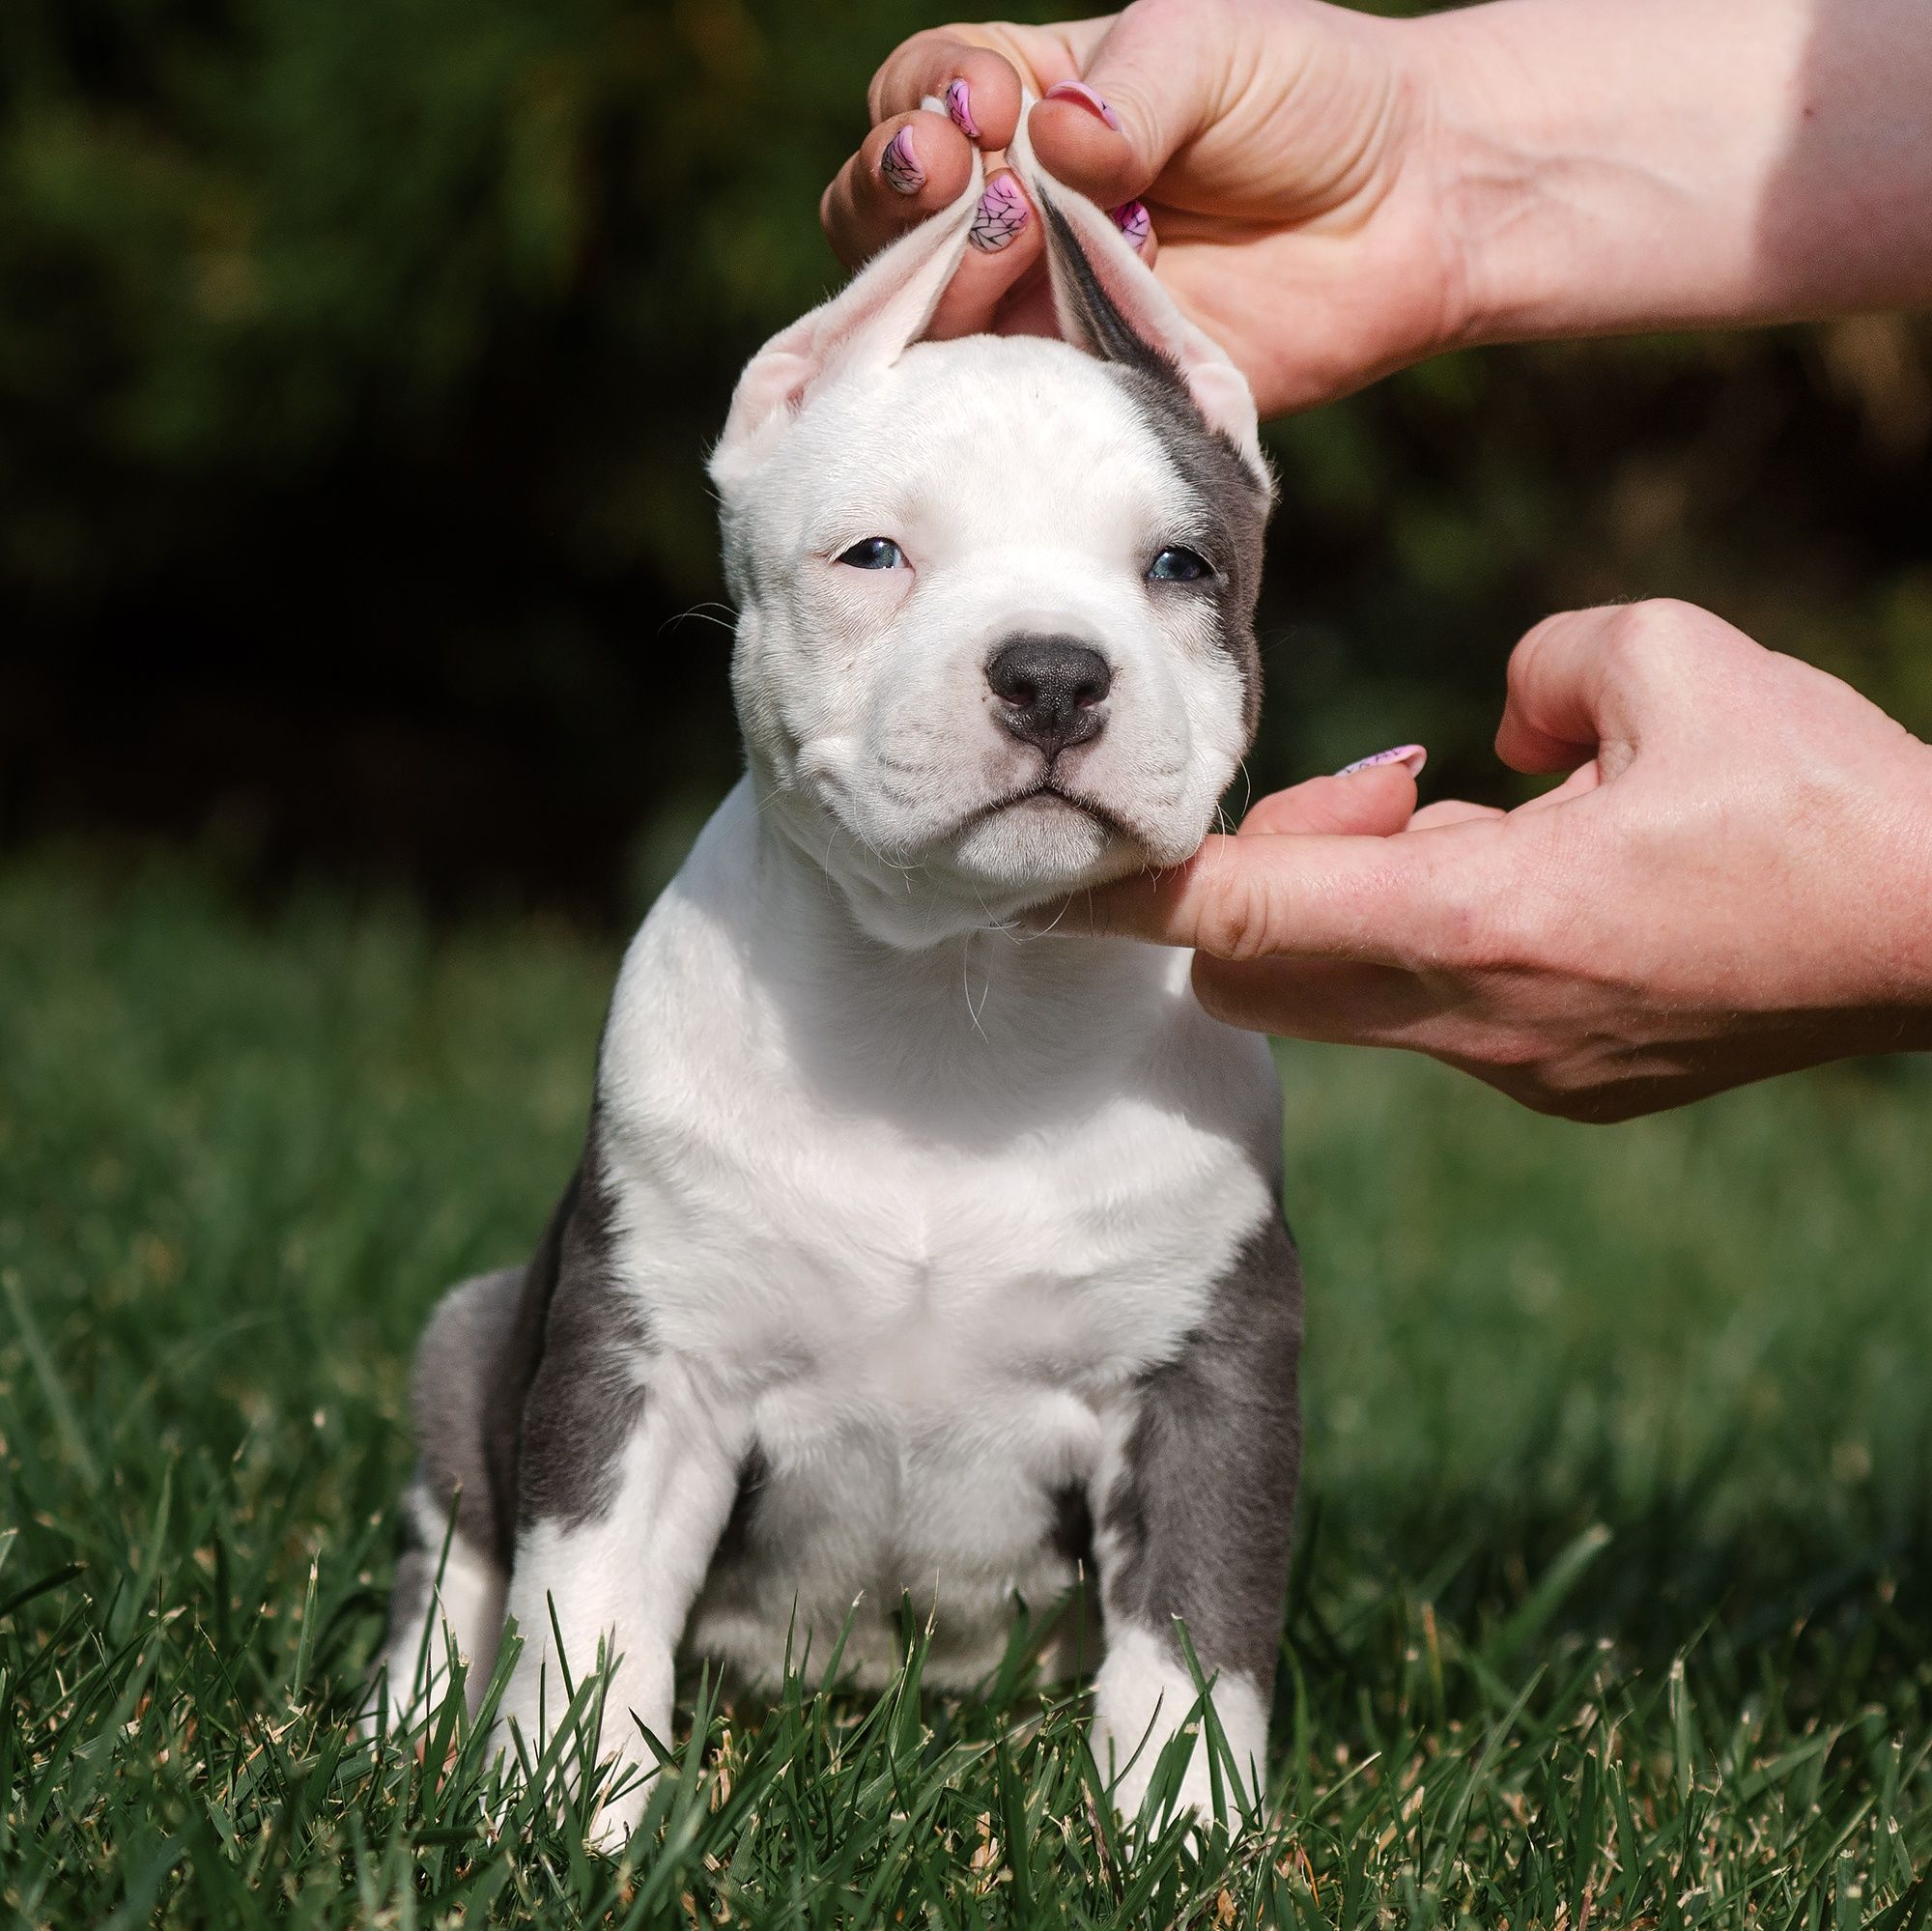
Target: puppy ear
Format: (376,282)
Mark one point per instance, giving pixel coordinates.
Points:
(1111,303)
(866,325)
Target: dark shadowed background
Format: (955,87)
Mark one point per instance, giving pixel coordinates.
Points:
(356,367)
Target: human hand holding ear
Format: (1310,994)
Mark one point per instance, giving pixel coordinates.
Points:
(1206,127)
(1335,194)
(1734,880)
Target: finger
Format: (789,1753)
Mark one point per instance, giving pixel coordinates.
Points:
(1589,679)
(1308,897)
(907,167)
(1450,811)
(1558,691)
(978,85)
(1144,91)
(1376,800)
(1002,245)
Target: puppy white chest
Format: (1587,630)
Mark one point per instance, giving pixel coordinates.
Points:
(925,1299)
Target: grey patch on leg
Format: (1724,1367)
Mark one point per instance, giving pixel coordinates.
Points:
(1198,1521)
(521,1395)
(582,1400)
(453,1404)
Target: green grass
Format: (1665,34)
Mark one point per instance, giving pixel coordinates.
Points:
(1612,1597)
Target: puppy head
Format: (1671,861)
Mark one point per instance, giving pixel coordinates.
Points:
(996,595)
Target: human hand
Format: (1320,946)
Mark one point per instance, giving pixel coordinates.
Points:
(1273,154)
(1735,880)
(1333,195)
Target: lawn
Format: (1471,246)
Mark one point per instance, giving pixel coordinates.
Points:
(1611,1605)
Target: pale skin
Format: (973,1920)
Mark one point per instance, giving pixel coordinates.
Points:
(1735,877)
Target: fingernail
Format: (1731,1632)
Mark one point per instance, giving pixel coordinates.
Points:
(959,104)
(900,164)
(1411,756)
(1000,217)
(1133,221)
(1078,90)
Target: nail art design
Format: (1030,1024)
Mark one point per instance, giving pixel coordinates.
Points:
(1133,221)
(1078,90)
(1411,756)
(1000,217)
(899,165)
(959,106)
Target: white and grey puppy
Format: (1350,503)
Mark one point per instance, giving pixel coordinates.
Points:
(907,1253)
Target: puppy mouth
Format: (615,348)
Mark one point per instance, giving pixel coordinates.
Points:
(1055,796)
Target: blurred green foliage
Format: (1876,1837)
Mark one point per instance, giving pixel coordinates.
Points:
(356,364)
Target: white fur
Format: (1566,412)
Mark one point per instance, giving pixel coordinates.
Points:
(1143,1694)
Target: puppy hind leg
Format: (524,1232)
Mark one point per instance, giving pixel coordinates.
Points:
(448,1594)
(1193,1519)
(452,1568)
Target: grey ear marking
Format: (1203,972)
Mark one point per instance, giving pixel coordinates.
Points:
(1110,304)
(1087,307)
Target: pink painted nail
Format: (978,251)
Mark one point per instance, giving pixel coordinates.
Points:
(1078,90)
(1412,756)
(959,104)
(1133,221)
(899,166)
(1002,213)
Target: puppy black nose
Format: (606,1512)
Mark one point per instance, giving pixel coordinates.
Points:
(1049,690)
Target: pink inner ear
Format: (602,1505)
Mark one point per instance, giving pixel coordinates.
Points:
(816,345)
(884,307)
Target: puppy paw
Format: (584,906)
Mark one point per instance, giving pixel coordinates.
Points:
(618,1817)
(1146,1713)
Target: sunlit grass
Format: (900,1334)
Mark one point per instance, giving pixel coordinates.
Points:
(1611,1605)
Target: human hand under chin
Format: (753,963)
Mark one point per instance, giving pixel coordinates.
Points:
(1734,880)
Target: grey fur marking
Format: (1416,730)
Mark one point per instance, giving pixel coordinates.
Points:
(1234,500)
(460,1356)
(583,1400)
(1199,1523)
(522,1393)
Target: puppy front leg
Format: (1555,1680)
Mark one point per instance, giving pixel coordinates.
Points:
(621,1515)
(1193,1519)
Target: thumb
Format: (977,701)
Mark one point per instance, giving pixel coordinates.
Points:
(1145,91)
(1376,799)
(1299,896)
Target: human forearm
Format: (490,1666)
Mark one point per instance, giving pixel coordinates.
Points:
(1661,163)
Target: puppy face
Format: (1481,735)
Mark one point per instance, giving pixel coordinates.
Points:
(995,638)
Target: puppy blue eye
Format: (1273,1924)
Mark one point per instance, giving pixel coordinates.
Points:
(1175,565)
(874,553)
